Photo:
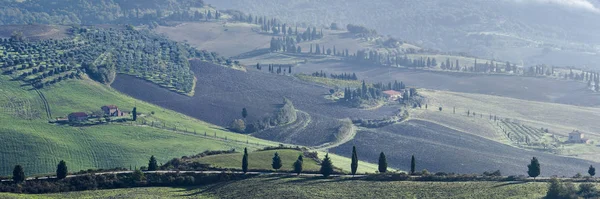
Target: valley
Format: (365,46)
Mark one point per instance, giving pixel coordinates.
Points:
(231,104)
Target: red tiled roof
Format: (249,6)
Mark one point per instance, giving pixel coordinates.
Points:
(392,92)
(79,114)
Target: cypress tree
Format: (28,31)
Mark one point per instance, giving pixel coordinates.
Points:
(152,164)
(326,166)
(382,163)
(245,161)
(354,164)
(276,162)
(534,168)
(61,170)
(592,171)
(244,113)
(298,165)
(412,165)
(18,174)
(134,113)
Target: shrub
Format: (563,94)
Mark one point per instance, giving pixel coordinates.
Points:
(238,126)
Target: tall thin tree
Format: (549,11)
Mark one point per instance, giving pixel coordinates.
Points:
(592,171)
(61,170)
(134,113)
(412,165)
(152,164)
(276,162)
(245,161)
(326,166)
(298,165)
(354,164)
(534,168)
(18,174)
(382,163)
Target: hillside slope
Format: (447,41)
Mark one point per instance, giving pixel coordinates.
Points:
(507,29)
(28,139)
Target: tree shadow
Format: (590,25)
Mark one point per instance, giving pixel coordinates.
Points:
(509,183)
(205,189)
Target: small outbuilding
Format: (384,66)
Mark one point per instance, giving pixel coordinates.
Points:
(392,95)
(78,117)
(577,137)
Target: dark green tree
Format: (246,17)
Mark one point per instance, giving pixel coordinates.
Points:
(592,171)
(18,174)
(245,161)
(326,166)
(134,113)
(382,163)
(61,170)
(412,165)
(138,176)
(354,164)
(244,113)
(152,164)
(276,162)
(534,168)
(298,165)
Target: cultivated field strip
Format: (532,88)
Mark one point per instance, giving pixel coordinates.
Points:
(439,149)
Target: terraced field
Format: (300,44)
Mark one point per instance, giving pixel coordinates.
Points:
(439,149)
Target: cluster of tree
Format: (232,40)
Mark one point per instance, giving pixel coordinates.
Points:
(281,68)
(275,26)
(284,115)
(360,30)
(367,93)
(342,76)
(285,44)
(68,12)
(103,52)
(560,190)
(320,50)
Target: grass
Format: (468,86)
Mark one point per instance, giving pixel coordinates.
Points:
(293,187)
(260,160)
(28,139)
(330,82)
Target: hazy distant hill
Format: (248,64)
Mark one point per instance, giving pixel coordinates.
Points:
(551,31)
(90,11)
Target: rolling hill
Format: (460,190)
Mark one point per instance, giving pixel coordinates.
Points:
(508,29)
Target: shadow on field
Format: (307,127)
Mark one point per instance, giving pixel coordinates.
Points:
(319,180)
(509,183)
(206,189)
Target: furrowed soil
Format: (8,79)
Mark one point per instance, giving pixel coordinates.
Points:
(221,93)
(440,149)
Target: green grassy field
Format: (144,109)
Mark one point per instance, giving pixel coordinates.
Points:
(293,187)
(260,160)
(28,139)
(330,82)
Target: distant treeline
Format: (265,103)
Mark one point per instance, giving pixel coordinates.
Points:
(341,76)
(69,12)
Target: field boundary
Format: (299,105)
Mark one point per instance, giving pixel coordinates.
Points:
(45,103)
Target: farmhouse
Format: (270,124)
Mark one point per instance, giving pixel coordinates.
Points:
(577,137)
(392,95)
(77,117)
(112,110)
